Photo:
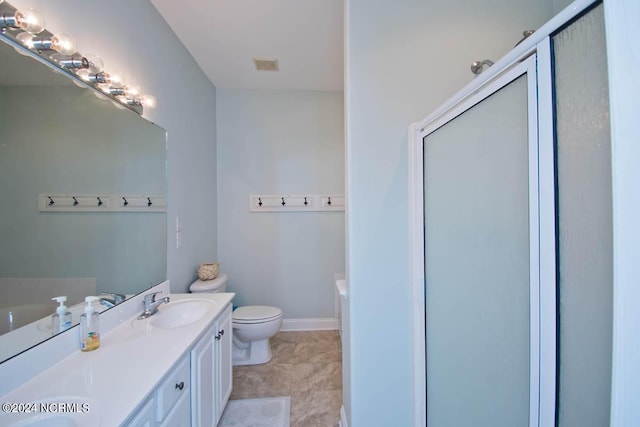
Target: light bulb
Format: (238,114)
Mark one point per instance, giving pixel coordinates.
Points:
(83,74)
(148,101)
(116,80)
(26,39)
(95,63)
(63,43)
(133,91)
(31,20)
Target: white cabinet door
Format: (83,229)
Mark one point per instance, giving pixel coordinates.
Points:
(180,414)
(146,416)
(224,368)
(203,407)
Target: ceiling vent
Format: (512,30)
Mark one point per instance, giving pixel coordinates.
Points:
(266,64)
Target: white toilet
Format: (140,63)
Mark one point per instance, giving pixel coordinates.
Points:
(253,325)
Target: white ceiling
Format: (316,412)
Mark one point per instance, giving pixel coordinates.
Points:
(306,36)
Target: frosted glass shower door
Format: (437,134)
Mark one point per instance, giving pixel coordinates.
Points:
(481,275)
(584,211)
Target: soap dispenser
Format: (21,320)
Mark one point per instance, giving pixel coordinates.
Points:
(61,319)
(89,327)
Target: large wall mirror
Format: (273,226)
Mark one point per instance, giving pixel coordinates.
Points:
(58,136)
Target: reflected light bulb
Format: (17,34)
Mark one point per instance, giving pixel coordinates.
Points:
(63,43)
(148,101)
(30,21)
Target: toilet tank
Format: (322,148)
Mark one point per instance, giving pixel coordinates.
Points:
(219,284)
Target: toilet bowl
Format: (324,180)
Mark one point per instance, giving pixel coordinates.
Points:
(253,325)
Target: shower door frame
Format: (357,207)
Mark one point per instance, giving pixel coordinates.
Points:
(535,61)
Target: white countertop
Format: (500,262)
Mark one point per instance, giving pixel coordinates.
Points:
(114,379)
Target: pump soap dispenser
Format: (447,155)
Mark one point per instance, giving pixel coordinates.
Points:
(61,320)
(89,327)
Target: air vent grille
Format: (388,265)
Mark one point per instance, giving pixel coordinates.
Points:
(266,64)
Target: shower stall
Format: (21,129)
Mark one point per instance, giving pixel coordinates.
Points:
(513,232)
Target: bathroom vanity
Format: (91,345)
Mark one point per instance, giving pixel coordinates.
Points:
(170,369)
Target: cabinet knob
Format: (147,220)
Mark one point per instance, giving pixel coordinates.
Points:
(180,386)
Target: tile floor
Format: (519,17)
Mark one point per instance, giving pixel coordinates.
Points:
(306,366)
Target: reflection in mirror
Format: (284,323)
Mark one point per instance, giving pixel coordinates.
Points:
(58,138)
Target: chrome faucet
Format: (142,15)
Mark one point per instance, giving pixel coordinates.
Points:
(111,299)
(151,304)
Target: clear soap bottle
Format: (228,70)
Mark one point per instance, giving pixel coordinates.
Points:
(61,319)
(89,327)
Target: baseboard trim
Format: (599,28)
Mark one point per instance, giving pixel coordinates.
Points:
(319,324)
(343,418)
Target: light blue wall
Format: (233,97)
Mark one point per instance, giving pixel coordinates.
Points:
(403,59)
(133,38)
(272,142)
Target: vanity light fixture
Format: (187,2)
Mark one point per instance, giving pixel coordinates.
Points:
(26,28)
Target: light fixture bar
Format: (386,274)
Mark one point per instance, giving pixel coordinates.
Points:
(24,30)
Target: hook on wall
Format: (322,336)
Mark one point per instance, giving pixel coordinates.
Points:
(51,202)
(149,201)
(295,202)
(124,201)
(75,201)
(100,203)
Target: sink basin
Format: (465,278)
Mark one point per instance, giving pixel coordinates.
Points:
(181,313)
(58,412)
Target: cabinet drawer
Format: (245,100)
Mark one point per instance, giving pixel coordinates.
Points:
(176,384)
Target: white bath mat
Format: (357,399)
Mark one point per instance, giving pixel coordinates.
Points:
(261,412)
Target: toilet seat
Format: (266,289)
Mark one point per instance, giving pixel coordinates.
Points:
(251,314)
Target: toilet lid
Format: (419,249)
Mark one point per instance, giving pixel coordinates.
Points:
(256,314)
(209,285)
